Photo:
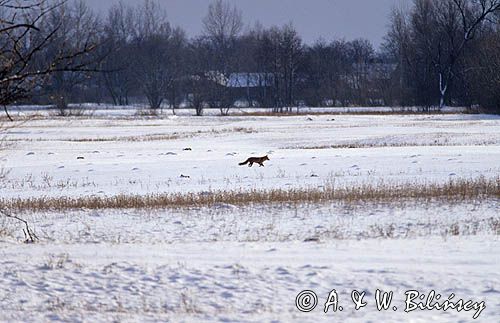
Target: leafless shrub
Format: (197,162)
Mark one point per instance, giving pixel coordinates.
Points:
(56,261)
(188,304)
(379,231)
(334,232)
(242,130)
(147,112)
(75,111)
(56,304)
(454,230)
(495,225)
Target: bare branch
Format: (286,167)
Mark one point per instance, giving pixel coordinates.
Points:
(29,234)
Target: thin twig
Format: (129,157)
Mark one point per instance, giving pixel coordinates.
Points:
(29,234)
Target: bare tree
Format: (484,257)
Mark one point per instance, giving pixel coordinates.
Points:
(222,25)
(178,45)
(458,21)
(282,52)
(430,41)
(155,44)
(397,47)
(77,26)
(25,42)
(118,29)
(291,55)
(198,84)
(482,77)
(55,46)
(361,53)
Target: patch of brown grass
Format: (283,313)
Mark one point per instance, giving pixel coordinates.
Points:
(146,137)
(387,144)
(172,136)
(149,137)
(454,190)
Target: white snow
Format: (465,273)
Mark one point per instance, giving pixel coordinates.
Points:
(43,157)
(251,282)
(246,263)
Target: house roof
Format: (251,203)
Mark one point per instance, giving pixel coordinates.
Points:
(237,80)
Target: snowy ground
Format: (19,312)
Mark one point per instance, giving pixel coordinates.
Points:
(148,156)
(228,263)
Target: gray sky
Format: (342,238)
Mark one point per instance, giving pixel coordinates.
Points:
(329,19)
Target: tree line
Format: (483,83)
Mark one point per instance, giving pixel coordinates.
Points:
(436,53)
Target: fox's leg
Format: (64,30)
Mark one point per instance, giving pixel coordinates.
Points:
(261,165)
(250,164)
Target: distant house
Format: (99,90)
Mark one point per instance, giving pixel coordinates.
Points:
(247,89)
(241,80)
(250,80)
(251,89)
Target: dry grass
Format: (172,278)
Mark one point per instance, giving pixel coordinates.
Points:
(147,112)
(146,137)
(162,137)
(149,137)
(389,144)
(495,225)
(330,111)
(454,190)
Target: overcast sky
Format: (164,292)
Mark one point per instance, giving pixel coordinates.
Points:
(329,19)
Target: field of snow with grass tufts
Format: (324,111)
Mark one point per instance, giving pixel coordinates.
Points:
(395,202)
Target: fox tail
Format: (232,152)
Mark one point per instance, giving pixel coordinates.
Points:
(243,163)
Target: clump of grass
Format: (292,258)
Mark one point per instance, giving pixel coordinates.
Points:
(147,112)
(146,137)
(151,137)
(332,112)
(495,225)
(454,190)
(55,261)
(379,144)
(163,136)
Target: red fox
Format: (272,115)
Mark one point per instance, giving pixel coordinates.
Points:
(257,160)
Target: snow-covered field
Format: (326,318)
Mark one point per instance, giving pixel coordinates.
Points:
(247,263)
(147,155)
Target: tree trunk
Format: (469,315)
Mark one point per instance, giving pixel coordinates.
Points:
(443,87)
